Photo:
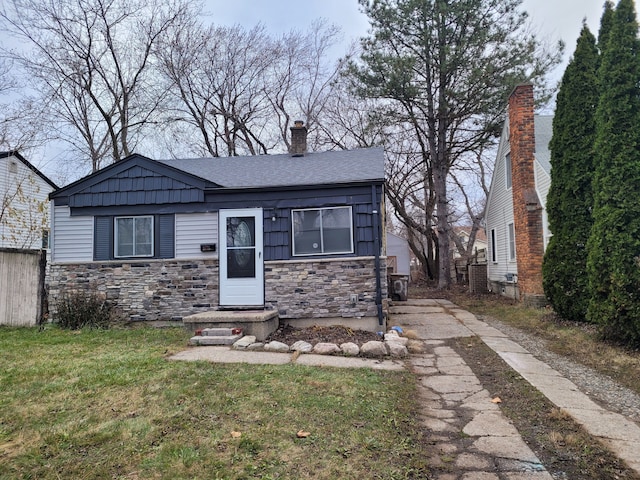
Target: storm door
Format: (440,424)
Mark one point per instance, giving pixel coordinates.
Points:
(241,262)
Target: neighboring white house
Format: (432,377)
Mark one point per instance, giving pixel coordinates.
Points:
(24,205)
(398,254)
(516,220)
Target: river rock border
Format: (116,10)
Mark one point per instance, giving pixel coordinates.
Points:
(393,345)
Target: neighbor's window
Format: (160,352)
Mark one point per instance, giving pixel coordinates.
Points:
(512,241)
(320,231)
(134,237)
(507,170)
(494,251)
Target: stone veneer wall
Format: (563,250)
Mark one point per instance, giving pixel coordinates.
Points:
(151,290)
(322,288)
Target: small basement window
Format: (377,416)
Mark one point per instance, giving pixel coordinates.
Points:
(133,236)
(319,231)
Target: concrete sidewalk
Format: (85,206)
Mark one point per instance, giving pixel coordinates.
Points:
(447,380)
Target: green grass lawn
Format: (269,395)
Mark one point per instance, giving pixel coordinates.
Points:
(109,405)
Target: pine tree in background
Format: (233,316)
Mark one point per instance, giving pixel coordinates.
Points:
(570,198)
(614,244)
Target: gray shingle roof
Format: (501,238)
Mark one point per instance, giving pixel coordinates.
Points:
(544,131)
(341,166)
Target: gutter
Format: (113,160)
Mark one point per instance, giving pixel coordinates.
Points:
(376,247)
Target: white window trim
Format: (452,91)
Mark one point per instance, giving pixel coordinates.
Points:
(511,241)
(293,233)
(115,236)
(493,245)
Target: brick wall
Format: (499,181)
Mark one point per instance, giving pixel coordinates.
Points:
(322,288)
(153,290)
(527,209)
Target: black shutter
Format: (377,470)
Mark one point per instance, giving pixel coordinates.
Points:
(165,232)
(103,238)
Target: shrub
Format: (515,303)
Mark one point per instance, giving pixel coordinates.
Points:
(79,309)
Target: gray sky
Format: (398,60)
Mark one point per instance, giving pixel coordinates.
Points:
(552,19)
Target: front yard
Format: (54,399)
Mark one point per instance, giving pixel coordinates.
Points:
(108,404)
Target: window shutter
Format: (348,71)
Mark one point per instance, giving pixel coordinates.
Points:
(103,238)
(166,236)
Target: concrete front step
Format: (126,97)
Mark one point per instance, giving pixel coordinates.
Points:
(260,323)
(215,339)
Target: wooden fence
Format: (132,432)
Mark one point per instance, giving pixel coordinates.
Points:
(22,295)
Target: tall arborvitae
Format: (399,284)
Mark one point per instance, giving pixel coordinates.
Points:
(570,199)
(614,245)
(606,22)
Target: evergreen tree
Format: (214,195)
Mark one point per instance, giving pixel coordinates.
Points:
(570,198)
(606,21)
(614,245)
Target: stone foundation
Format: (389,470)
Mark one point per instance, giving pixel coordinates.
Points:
(150,290)
(163,290)
(323,288)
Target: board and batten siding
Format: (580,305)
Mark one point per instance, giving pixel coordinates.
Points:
(194,229)
(500,215)
(73,236)
(20,280)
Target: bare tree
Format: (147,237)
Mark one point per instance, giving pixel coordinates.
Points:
(217,79)
(92,63)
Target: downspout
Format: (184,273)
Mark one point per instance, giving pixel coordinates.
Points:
(376,246)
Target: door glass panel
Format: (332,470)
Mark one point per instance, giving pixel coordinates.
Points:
(241,252)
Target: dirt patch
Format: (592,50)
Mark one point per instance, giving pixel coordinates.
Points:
(564,447)
(331,334)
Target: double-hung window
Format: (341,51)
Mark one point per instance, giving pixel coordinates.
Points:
(319,231)
(133,236)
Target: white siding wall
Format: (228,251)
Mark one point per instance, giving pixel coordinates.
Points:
(543,182)
(72,237)
(22,228)
(500,214)
(193,229)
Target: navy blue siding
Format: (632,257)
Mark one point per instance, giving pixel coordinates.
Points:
(136,186)
(165,236)
(102,238)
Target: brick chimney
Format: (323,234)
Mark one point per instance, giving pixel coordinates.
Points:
(298,139)
(527,209)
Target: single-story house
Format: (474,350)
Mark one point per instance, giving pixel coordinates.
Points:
(301,233)
(24,206)
(516,219)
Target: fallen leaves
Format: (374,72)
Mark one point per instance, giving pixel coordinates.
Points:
(496,400)
(302,434)
(236,434)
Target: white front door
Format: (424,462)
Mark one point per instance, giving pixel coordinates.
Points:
(241,262)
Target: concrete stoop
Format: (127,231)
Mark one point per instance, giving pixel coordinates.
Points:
(216,336)
(260,323)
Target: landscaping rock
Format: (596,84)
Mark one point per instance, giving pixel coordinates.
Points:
(350,349)
(244,342)
(256,346)
(401,340)
(302,347)
(326,348)
(397,350)
(374,349)
(276,347)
